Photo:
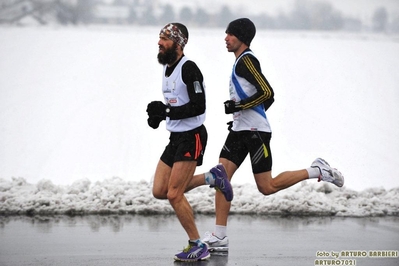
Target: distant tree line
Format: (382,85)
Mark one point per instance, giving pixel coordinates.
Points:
(305,15)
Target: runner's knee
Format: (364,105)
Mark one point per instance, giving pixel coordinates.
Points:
(174,196)
(158,194)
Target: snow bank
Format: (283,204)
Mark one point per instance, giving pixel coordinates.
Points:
(117,196)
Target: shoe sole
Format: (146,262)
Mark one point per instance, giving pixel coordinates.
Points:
(219,254)
(218,249)
(338,176)
(201,259)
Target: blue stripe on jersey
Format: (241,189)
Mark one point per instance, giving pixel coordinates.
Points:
(243,95)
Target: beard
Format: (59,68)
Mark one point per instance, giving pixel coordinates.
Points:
(168,56)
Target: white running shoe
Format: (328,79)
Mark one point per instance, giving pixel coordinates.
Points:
(327,173)
(216,244)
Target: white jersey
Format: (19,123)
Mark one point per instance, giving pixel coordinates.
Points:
(175,94)
(253,119)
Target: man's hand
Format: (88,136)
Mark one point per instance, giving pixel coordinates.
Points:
(156,108)
(156,111)
(231,106)
(154,121)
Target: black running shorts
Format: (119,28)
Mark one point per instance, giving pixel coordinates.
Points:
(239,143)
(186,146)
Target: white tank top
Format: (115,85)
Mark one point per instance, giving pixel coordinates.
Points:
(175,94)
(253,119)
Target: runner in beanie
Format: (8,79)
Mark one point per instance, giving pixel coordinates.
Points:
(250,132)
(183,109)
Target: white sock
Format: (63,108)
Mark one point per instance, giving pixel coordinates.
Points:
(220,231)
(313,172)
(209,179)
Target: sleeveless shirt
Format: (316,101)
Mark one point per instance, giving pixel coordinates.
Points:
(253,119)
(175,94)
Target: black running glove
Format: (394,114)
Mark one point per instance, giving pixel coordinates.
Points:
(156,108)
(229,125)
(231,106)
(154,121)
(156,111)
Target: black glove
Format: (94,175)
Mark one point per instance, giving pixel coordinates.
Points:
(154,121)
(231,106)
(156,108)
(156,111)
(230,125)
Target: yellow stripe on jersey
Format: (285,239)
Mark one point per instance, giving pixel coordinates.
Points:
(261,81)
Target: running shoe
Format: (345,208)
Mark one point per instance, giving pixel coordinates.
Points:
(216,244)
(327,173)
(193,252)
(222,182)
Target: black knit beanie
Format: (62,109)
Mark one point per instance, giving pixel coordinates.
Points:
(243,28)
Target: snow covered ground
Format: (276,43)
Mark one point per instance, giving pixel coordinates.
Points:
(118,196)
(73,101)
